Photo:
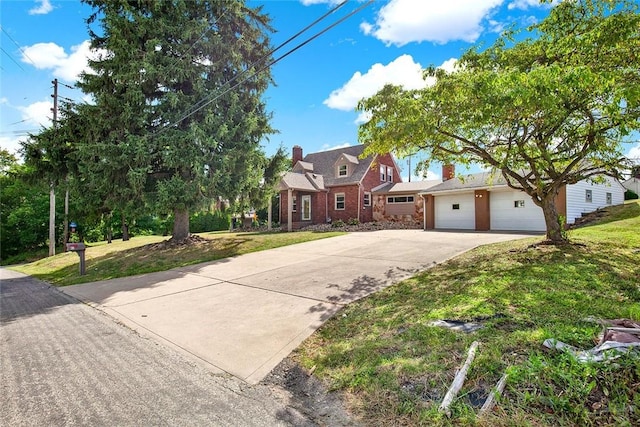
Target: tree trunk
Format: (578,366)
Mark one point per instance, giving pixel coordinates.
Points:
(125,229)
(109,229)
(52,220)
(180,225)
(66,214)
(553,222)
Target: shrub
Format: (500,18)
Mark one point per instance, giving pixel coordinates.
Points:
(630,195)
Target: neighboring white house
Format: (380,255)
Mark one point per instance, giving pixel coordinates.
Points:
(633,184)
(483,201)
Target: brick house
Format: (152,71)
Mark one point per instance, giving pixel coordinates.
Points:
(333,185)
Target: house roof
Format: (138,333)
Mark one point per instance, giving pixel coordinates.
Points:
(468,182)
(405,187)
(302,181)
(301,166)
(317,170)
(324,163)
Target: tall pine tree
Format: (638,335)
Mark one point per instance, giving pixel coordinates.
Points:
(164,124)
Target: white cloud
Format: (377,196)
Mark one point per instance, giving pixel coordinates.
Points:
(526,4)
(44,8)
(327,147)
(37,114)
(634,153)
(403,71)
(12,144)
(66,66)
(404,21)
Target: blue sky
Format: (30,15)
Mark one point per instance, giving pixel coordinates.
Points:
(317,87)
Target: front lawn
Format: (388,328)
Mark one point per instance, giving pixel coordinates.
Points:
(394,368)
(148,254)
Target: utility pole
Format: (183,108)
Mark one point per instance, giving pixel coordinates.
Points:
(52,191)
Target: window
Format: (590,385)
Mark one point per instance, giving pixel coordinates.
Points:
(383,173)
(367,199)
(306,208)
(518,204)
(295,204)
(609,199)
(342,170)
(340,201)
(400,199)
(455,206)
(588,196)
(389,174)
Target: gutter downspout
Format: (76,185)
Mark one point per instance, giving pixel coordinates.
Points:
(359,200)
(289,209)
(424,212)
(326,206)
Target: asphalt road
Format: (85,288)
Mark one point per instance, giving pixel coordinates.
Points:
(64,363)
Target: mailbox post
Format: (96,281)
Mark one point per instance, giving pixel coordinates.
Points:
(78,248)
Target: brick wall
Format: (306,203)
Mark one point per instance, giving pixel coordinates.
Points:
(351,203)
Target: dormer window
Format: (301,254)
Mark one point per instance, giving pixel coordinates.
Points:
(389,174)
(342,170)
(383,173)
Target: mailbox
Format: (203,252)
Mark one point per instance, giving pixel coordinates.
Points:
(78,248)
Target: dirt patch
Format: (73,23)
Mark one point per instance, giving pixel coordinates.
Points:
(309,395)
(192,240)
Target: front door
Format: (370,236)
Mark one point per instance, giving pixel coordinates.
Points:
(306,208)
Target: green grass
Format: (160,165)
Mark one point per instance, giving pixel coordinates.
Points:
(146,254)
(395,369)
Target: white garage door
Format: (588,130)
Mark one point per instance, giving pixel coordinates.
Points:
(514,210)
(456,211)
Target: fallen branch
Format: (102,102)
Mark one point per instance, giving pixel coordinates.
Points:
(495,393)
(458,381)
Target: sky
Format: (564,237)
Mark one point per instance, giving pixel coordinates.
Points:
(316,87)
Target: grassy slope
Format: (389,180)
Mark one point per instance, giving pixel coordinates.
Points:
(142,255)
(395,369)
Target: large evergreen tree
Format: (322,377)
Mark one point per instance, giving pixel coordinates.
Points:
(169,123)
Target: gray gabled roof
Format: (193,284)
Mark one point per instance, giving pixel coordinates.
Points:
(324,164)
(473,181)
(303,167)
(301,181)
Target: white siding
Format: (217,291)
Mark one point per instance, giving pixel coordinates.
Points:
(463,218)
(504,216)
(633,184)
(576,197)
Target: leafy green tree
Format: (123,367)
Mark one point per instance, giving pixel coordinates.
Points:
(24,208)
(169,123)
(547,110)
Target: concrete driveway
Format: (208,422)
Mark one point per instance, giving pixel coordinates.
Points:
(243,315)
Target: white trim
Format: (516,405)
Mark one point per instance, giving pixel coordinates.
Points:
(392,199)
(344,202)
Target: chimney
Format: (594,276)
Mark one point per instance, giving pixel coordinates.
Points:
(448,171)
(297,155)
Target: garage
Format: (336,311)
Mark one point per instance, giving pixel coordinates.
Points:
(455,211)
(514,210)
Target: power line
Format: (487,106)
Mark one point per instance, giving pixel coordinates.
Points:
(19,47)
(203,102)
(11,58)
(207,101)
